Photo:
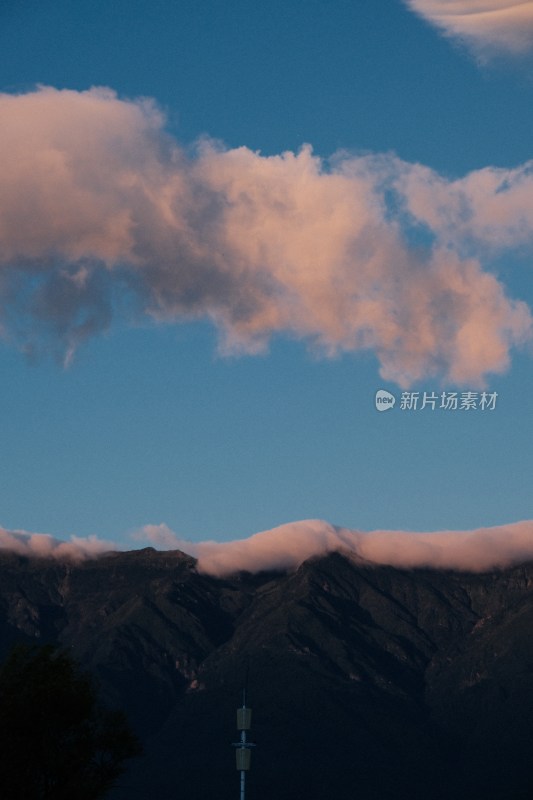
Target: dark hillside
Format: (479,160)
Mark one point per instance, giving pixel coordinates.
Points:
(365,682)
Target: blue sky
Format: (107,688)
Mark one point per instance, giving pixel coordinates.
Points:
(150,423)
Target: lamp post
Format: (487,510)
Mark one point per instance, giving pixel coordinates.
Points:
(243,747)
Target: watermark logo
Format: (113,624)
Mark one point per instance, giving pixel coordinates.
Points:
(384,400)
(437,401)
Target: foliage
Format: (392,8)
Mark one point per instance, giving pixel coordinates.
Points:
(56,740)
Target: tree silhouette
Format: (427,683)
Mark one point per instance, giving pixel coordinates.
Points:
(56,741)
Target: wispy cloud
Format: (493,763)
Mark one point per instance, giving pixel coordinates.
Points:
(288,546)
(485,26)
(98,201)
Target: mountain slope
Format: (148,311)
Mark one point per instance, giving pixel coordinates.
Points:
(367,682)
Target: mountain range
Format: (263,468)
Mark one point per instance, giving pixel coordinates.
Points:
(366,682)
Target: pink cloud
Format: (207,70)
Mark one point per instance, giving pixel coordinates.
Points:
(42,545)
(486,26)
(288,546)
(488,210)
(99,200)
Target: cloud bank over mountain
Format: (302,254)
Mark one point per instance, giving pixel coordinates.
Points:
(43,545)
(485,26)
(102,212)
(286,547)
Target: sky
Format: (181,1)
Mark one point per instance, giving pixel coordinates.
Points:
(225,226)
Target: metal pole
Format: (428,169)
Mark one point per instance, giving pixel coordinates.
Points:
(243,746)
(243,781)
(243,740)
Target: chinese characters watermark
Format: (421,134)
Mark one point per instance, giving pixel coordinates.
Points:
(433,401)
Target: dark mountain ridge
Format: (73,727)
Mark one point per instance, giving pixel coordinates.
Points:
(365,681)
